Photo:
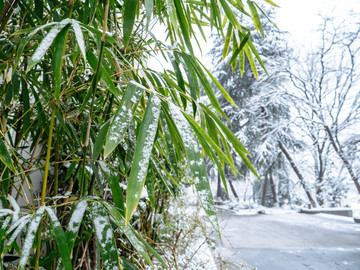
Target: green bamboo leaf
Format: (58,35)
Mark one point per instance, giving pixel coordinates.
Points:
(150,186)
(114,184)
(197,166)
(16,228)
(75,222)
(232,139)
(239,49)
(256,18)
(152,251)
(230,14)
(104,76)
(190,61)
(60,239)
(105,237)
(59,50)
(255,52)
(219,86)
(119,220)
(130,9)
(30,237)
(227,42)
(142,155)
(120,123)
(100,140)
(46,43)
(251,61)
(184,25)
(169,144)
(271,3)
(5,156)
(200,132)
(149,5)
(228,133)
(79,37)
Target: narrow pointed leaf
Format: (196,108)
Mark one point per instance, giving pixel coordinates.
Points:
(46,43)
(256,17)
(116,190)
(59,50)
(60,238)
(120,121)
(79,37)
(142,155)
(197,166)
(119,220)
(130,9)
(105,237)
(30,237)
(100,140)
(5,156)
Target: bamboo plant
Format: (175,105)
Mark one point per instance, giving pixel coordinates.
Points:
(82,107)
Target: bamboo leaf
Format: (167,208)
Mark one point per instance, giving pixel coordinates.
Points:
(120,123)
(100,140)
(114,184)
(227,42)
(256,17)
(149,5)
(119,220)
(130,9)
(30,237)
(104,76)
(220,87)
(60,238)
(59,50)
(5,157)
(17,227)
(79,37)
(271,3)
(197,166)
(105,237)
(230,14)
(46,43)
(184,25)
(142,155)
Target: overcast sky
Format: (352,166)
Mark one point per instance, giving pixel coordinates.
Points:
(299,17)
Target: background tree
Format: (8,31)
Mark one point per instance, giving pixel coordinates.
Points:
(326,98)
(262,115)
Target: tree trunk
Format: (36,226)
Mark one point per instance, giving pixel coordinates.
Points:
(233,190)
(264,191)
(218,192)
(341,154)
(299,175)
(273,191)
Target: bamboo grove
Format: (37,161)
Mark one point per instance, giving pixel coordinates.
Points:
(82,107)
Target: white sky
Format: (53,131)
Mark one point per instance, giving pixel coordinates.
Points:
(299,17)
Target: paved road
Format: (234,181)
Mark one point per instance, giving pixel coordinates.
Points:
(289,242)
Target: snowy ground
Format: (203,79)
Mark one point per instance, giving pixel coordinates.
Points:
(284,239)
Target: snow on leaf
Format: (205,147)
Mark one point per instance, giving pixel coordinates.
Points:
(105,237)
(121,118)
(30,236)
(79,37)
(46,43)
(196,163)
(142,155)
(19,225)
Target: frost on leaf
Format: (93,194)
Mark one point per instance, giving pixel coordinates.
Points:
(104,235)
(196,163)
(30,236)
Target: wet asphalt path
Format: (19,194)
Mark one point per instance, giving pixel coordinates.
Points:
(288,242)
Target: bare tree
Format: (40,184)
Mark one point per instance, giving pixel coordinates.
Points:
(326,92)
